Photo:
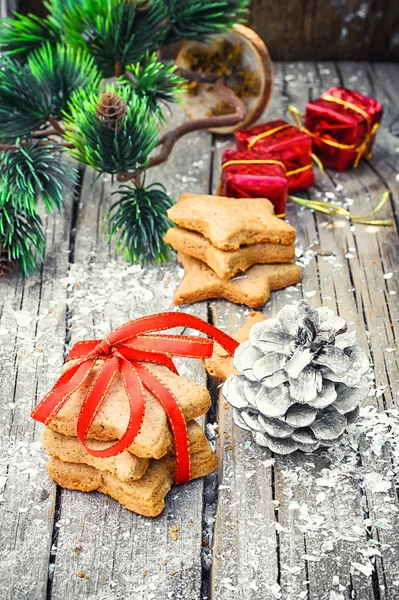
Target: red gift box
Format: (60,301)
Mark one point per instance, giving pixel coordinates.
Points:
(293,148)
(342,124)
(245,175)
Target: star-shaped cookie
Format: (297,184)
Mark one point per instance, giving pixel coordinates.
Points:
(253,288)
(229,223)
(227,264)
(220,364)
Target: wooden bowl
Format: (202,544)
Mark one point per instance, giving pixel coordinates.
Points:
(255,59)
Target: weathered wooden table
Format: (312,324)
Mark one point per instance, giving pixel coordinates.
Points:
(314,527)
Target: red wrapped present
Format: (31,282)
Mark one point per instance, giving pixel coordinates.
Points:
(342,124)
(293,146)
(245,175)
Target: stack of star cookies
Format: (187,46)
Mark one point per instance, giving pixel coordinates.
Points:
(233,248)
(141,476)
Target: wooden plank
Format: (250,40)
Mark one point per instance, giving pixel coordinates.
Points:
(32,336)
(379,298)
(122,553)
(301,30)
(330,534)
(246,563)
(346,30)
(341,508)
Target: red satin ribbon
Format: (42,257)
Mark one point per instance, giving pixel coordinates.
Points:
(124,352)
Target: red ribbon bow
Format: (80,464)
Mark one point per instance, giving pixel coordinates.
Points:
(123,352)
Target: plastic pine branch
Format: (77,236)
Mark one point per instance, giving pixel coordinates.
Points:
(24,103)
(21,235)
(32,172)
(111,149)
(113,33)
(155,81)
(51,71)
(20,35)
(138,220)
(61,70)
(196,19)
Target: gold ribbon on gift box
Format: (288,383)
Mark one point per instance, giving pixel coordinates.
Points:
(363,149)
(265,134)
(255,161)
(318,205)
(340,211)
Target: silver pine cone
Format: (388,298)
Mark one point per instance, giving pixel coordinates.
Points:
(302,379)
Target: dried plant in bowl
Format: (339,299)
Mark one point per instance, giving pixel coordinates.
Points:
(241,58)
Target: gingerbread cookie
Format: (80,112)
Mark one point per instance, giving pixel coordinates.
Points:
(146,496)
(124,466)
(155,438)
(220,364)
(227,264)
(252,288)
(229,223)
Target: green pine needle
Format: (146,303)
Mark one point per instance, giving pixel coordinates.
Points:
(21,235)
(32,170)
(48,68)
(24,103)
(113,31)
(62,70)
(155,81)
(119,149)
(138,219)
(196,19)
(20,35)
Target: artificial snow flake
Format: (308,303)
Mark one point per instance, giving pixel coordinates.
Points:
(301,380)
(23,318)
(366,569)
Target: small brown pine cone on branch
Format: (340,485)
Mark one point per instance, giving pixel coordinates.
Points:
(111,109)
(8,266)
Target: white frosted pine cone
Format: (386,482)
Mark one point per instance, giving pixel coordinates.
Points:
(302,379)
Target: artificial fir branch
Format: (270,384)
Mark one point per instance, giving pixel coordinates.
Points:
(114,33)
(196,19)
(169,139)
(32,172)
(138,220)
(38,92)
(51,71)
(21,235)
(155,81)
(22,34)
(24,103)
(123,147)
(61,71)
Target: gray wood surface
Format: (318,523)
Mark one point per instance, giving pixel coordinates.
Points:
(299,29)
(344,30)
(320,527)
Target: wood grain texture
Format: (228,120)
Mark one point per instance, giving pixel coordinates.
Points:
(32,328)
(303,30)
(120,552)
(283,528)
(337,30)
(305,551)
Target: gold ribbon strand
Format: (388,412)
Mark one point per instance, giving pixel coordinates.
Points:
(332,209)
(363,149)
